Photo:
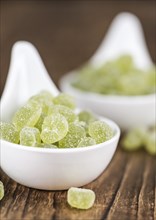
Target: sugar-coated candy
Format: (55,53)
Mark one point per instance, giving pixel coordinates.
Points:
(86,117)
(52,122)
(75,134)
(100,131)
(116,77)
(54,128)
(64,99)
(1,190)
(65,111)
(40,121)
(44,99)
(86,141)
(150,142)
(8,132)
(134,139)
(27,115)
(80,198)
(30,136)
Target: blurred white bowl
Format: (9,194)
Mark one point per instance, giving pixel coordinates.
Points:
(125,36)
(126,111)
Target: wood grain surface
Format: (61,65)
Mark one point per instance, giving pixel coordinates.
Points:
(66,34)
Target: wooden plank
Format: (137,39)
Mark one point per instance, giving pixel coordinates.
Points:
(146,201)
(105,187)
(127,201)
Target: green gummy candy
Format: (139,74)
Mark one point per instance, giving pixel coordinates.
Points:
(40,121)
(150,143)
(64,99)
(86,141)
(54,128)
(65,111)
(8,132)
(73,137)
(134,139)
(86,117)
(119,76)
(1,190)
(100,131)
(80,198)
(27,115)
(44,99)
(29,136)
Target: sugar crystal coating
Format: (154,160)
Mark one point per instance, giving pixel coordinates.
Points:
(8,132)
(51,122)
(150,142)
(40,121)
(30,136)
(44,99)
(54,128)
(134,139)
(27,115)
(86,141)
(64,99)
(73,137)
(86,117)
(80,198)
(65,111)
(100,131)
(116,77)
(1,190)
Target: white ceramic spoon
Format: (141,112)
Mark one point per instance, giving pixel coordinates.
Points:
(125,36)
(27,76)
(49,169)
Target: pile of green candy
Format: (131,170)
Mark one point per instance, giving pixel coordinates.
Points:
(52,122)
(116,77)
(140,137)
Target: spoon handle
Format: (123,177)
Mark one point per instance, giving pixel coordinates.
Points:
(125,36)
(27,76)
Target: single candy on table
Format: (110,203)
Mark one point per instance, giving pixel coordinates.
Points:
(150,142)
(134,139)
(80,198)
(1,190)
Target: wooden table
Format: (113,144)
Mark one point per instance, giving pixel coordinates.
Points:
(125,191)
(66,34)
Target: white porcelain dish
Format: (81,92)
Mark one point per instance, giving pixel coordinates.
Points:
(125,36)
(48,169)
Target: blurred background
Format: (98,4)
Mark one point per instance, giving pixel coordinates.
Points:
(66,33)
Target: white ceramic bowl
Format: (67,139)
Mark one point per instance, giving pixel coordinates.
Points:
(126,111)
(57,169)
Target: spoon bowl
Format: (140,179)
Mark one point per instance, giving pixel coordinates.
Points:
(43,168)
(57,169)
(125,36)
